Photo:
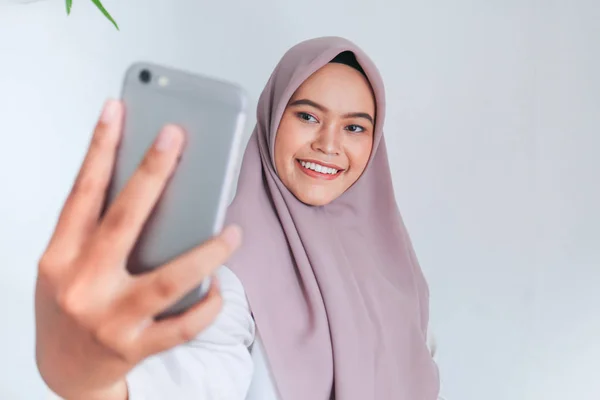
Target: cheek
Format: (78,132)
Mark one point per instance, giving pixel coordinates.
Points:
(287,144)
(359,151)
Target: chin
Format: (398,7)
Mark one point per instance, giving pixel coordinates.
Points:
(315,200)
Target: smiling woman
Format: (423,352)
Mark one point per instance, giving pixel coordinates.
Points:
(322,146)
(339,302)
(323,298)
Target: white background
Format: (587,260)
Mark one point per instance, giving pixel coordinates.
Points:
(493,108)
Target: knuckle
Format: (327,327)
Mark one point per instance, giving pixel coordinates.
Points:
(85,184)
(165,286)
(118,219)
(71,303)
(151,166)
(47,263)
(138,301)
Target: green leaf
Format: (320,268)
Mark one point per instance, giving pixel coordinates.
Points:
(106,14)
(69,4)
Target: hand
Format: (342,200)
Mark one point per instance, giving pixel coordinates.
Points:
(94,320)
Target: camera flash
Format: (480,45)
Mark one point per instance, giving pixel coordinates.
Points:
(163,81)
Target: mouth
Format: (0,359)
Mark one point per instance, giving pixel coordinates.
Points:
(319,170)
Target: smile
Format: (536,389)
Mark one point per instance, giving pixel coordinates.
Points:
(317,170)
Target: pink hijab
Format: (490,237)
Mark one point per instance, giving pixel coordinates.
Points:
(339,299)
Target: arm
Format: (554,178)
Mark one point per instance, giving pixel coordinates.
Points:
(215,365)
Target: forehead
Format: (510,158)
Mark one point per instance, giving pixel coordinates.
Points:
(338,87)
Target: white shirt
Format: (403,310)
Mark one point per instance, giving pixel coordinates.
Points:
(224,362)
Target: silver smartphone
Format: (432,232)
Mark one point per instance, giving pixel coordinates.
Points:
(193,205)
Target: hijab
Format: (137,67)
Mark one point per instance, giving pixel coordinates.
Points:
(338,297)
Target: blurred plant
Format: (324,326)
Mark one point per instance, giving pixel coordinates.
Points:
(98,4)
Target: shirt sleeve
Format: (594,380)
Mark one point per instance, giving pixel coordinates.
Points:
(216,365)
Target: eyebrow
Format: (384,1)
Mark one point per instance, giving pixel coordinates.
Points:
(310,103)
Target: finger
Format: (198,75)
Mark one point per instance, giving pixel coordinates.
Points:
(170,332)
(135,338)
(125,218)
(83,205)
(155,291)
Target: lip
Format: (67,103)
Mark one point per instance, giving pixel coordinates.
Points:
(318,175)
(322,163)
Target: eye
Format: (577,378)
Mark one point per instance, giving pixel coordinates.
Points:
(355,128)
(306,117)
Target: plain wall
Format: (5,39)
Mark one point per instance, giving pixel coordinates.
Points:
(492,129)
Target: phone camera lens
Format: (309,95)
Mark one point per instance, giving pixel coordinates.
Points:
(145,76)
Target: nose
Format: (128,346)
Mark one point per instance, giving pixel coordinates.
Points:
(328,141)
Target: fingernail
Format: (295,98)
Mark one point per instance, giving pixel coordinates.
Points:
(111,108)
(167,138)
(232,236)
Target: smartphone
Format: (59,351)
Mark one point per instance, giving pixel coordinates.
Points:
(193,205)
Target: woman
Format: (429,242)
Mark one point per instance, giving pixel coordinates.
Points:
(324,299)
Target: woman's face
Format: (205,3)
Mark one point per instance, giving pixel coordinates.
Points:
(325,136)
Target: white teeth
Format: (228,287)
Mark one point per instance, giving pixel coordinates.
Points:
(319,168)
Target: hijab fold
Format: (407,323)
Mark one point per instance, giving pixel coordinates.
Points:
(339,299)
